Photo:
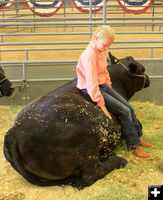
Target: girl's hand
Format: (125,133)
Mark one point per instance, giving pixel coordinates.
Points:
(106,112)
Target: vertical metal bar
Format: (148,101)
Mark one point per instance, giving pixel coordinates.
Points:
(151,53)
(95,7)
(34,16)
(24,71)
(25,98)
(90,19)
(3,22)
(16,7)
(26,55)
(64,4)
(124,12)
(153,13)
(64,14)
(104,12)
(151,70)
(24,81)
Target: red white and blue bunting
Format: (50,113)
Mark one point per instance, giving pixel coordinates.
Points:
(44,8)
(83,5)
(6,3)
(135,6)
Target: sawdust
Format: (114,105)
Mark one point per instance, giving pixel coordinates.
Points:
(15,187)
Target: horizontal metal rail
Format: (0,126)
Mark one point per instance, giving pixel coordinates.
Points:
(156,77)
(65,62)
(78,48)
(107,6)
(75,33)
(79,18)
(81,23)
(75,42)
(43,80)
(40,34)
(63,79)
(25,64)
(108,11)
(36,63)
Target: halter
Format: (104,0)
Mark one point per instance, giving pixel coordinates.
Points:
(3,80)
(137,75)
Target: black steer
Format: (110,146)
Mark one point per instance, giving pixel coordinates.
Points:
(62,135)
(6,88)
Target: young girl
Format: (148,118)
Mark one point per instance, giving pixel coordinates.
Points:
(93,78)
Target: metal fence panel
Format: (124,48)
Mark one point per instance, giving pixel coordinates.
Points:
(19,26)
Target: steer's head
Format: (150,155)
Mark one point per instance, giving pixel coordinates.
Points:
(6,88)
(127,75)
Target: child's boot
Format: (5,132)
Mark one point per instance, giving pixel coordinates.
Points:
(145,144)
(139,152)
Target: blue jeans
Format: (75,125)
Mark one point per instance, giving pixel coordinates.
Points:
(116,104)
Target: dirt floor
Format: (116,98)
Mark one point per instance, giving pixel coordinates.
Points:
(114,186)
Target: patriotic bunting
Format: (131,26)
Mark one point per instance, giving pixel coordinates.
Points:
(44,8)
(6,3)
(83,5)
(136,6)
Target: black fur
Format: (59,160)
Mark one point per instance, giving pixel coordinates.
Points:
(5,85)
(64,138)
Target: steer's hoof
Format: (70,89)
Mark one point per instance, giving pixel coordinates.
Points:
(121,162)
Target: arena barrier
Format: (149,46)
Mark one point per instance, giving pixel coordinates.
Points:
(30,43)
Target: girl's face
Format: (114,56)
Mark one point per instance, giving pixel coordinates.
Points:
(103,43)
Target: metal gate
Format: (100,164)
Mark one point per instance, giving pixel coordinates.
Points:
(29,39)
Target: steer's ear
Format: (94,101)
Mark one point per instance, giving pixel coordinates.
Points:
(113,59)
(133,68)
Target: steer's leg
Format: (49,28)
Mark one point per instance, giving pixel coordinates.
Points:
(95,171)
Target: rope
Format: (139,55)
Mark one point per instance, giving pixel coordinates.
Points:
(142,76)
(3,79)
(17,87)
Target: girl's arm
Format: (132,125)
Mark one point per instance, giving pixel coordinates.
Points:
(106,112)
(91,70)
(92,83)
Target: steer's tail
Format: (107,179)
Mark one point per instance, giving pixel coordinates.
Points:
(11,153)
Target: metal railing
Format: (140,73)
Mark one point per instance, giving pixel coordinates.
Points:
(27,50)
(13,24)
(27,63)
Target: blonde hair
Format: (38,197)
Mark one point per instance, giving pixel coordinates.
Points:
(104,31)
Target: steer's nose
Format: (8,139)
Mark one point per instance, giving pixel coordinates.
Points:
(147,82)
(10,92)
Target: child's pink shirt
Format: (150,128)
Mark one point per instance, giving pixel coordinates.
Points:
(92,72)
